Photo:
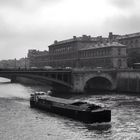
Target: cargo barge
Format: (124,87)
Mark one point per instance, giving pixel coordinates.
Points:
(76,109)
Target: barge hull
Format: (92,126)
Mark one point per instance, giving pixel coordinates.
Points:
(84,116)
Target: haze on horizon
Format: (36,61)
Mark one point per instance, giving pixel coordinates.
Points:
(35,24)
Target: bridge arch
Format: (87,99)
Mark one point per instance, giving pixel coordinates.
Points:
(57,85)
(98,84)
(102,82)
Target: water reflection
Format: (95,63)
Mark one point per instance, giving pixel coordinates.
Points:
(99,128)
(4,80)
(89,131)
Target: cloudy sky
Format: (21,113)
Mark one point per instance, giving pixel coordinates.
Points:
(35,24)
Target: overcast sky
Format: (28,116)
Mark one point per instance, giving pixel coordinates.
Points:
(35,24)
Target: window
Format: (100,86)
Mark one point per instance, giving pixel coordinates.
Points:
(136,43)
(119,63)
(119,51)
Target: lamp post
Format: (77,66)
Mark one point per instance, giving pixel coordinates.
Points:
(15,63)
(25,63)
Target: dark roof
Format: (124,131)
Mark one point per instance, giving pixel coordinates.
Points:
(102,45)
(129,35)
(83,38)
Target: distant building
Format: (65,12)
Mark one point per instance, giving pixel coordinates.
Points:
(132,41)
(89,52)
(38,58)
(80,52)
(65,53)
(103,55)
(21,63)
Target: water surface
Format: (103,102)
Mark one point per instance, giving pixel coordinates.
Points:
(19,122)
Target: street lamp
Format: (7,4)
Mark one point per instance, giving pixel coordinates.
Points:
(15,63)
(25,63)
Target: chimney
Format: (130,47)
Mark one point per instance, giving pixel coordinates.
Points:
(55,42)
(85,37)
(74,37)
(110,36)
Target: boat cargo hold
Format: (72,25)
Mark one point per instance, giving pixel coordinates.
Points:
(76,109)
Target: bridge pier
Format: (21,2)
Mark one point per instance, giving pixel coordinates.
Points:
(13,79)
(78,83)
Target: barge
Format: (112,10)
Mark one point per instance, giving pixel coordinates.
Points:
(76,109)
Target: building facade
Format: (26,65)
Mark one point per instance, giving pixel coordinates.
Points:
(103,55)
(38,59)
(66,53)
(132,41)
(87,51)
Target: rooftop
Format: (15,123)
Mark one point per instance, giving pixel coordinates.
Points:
(83,38)
(37,52)
(102,45)
(129,35)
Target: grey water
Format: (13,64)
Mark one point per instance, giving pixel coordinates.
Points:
(19,122)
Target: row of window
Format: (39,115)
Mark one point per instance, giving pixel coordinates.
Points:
(63,56)
(82,54)
(106,63)
(41,58)
(93,63)
(131,42)
(62,49)
(90,53)
(68,63)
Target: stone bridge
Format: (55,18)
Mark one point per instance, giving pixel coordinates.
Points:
(79,81)
(67,80)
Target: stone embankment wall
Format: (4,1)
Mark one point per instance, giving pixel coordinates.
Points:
(128,81)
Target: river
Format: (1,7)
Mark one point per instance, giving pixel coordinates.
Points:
(20,122)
